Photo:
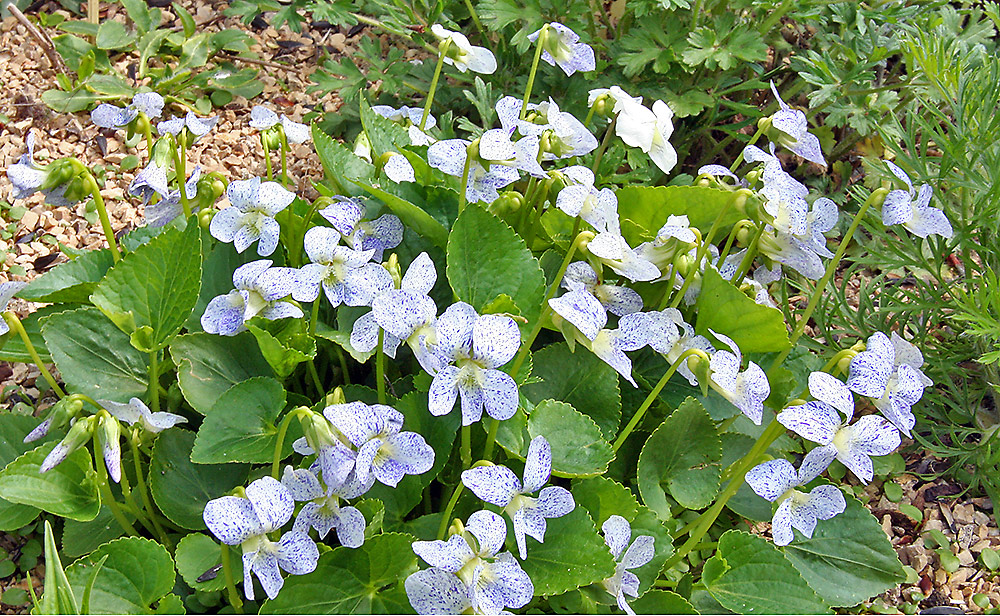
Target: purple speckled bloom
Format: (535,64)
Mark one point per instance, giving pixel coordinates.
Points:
(794,126)
(617,533)
(613,250)
(251,216)
(562,47)
(198,127)
(567,136)
(323,509)
(165,210)
(493,579)
(27,177)
(588,301)
(894,386)
(852,444)
(346,276)
(581,198)
(135,412)
(610,345)
(110,116)
(263,118)
(247,521)
(152,180)
(776,480)
(463,55)
(259,291)
(498,485)
(745,390)
(912,208)
(468,351)
(497,165)
(415,310)
(383,451)
(345,215)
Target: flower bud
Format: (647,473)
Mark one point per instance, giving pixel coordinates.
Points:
(163,151)
(392,266)
(844,365)
(510,201)
(205,218)
(58,415)
(604,106)
(78,436)
(336,397)
(109,439)
(473,149)
(456,528)
(271,137)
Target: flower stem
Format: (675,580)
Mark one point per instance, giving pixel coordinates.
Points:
(147,133)
(700,255)
(267,159)
(15,324)
(227,572)
(747,261)
(282,432)
(464,185)
(140,484)
(739,159)
(648,402)
(380,367)
(539,44)
(102,212)
(491,438)
(831,269)
(446,514)
(284,160)
(732,238)
(180,168)
(154,382)
(466,449)
(345,375)
(442,52)
(108,498)
(604,145)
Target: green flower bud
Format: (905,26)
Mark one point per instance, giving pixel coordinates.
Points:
(79,435)
(163,151)
(271,137)
(392,266)
(205,218)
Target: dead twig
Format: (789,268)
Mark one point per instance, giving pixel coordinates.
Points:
(41,38)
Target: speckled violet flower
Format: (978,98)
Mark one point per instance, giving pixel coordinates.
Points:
(793,125)
(78,436)
(7,292)
(259,291)
(413,289)
(498,485)
(671,336)
(27,177)
(852,444)
(263,118)
(909,355)
(893,386)
(198,127)
(398,168)
(152,180)
(347,276)
(581,198)
(565,136)
(562,47)
(831,390)
(617,533)
(251,215)
(784,196)
(167,209)
(610,345)
(111,116)
(745,390)
(776,480)
(648,130)
(912,208)
(345,215)
(383,451)
(324,511)
(436,591)
(135,412)
(587,303)
(613,250)
(463,55)
(496,165)
(674,237)
(494,580)
(247,521)
(469,350)
(409,118)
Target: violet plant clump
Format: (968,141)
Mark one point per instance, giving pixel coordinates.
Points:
(299,409)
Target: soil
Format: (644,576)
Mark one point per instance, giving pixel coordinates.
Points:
(286,60)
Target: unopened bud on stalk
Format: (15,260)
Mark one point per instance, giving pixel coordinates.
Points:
(58,415)
(392,266)
(205,218)
(336,397)
(271,137)
(844,365)
(108,438)
(456,528)
(78,436)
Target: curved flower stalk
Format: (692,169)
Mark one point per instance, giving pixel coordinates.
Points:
(776,480)
(745,390)
(852,444)
(106,115)
(581,198)
(247,521)
(254,204)
(345,215)
(495,162)
(463,55)
(489,580)
(498,485)
(412,294)
(263,119)
(794,129)
(346,276)
(893,386)
(617,533)
(912,208)
(562,47)
(564,136)
(196,127)
(260,291)
(671,336)
(588,302)
(7,292)
(164,211)
(468,350)
(323,510)
(383,452)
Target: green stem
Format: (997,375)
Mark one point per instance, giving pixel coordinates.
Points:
(380,367)
(463,187)
(479,24)
(831,269)
(442,52)
(102,212)
(154,381)
(739,159)
(15,324)
(284,160)
(147,133)
(702,249)
(446,514)
(267,158)
(747,261)
(648,402)
(314,375)
(732,238)
(604,145)
(539,44)
(699,527)
(227,572)
(108,498)
(280,442)
(773,18)
(491,438)
(345,375)
(140,484)
(466,449)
